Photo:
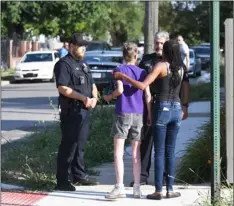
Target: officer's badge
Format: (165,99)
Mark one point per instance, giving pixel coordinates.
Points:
(85,67)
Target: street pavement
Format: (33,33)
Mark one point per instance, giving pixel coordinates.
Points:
(26,105)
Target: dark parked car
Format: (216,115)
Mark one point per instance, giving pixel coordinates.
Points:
(102,73)
(98,46)
(203,52)
(102,65)
(104,56)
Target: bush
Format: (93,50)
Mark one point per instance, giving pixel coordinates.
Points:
(33,164)
(202,92)
(195,166)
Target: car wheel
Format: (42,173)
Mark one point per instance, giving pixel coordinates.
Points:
(199,73)
(194,74)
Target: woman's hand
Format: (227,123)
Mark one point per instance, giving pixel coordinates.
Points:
(107,98)
(184,112)
(118,75)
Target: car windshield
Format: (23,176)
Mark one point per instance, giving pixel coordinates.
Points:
(95,47)
(117,59)
(202,50)
(38,57)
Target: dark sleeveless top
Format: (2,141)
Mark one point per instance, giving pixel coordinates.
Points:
(165,92)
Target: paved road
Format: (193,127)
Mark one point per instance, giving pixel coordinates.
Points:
(25,105)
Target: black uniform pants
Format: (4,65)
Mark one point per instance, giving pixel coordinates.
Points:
(146,150)
(75,128)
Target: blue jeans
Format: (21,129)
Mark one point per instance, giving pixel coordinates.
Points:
(166,124)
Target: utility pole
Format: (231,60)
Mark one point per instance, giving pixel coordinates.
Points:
(155,5)
(151,25)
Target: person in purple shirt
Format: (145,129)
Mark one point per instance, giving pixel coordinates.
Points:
(128,123)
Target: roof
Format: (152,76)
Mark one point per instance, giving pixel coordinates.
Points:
(36,52)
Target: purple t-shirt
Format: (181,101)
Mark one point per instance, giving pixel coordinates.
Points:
(131,100)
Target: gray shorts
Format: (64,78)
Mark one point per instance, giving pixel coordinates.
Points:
(128,125)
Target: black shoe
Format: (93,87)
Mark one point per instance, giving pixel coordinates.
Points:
(142,183)
(67,187)
(86,181)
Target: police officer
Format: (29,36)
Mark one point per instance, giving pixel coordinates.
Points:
(77,96)
(147,63)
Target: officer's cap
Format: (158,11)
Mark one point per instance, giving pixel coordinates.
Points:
(78,39)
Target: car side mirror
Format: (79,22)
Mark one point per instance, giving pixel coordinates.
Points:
(56,59)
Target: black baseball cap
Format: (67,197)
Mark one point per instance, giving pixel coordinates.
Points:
(78,39)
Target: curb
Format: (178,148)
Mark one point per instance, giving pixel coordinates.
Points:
(4,83)
(11,187)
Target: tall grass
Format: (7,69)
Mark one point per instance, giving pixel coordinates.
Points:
(33,163)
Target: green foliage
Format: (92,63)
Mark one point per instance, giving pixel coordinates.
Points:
(201,92)
(33,163)
(125,21)
(193,24)
(122,20)
(195,166)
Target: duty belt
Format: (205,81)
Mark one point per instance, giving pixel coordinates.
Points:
(78,103)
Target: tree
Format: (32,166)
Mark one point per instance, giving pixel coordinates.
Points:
(192,21)
(123,20)
(126,21)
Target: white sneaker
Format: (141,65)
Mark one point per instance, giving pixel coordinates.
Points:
(117,192)
(137,191)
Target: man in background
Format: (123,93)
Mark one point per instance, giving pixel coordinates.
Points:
(64,50)
(184,50)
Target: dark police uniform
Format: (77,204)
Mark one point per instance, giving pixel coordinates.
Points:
(75,119)
(147,63)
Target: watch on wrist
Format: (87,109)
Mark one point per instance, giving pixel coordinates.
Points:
(186,105)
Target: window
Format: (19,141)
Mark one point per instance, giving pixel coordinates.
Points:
(107,47)
(95,47)
(38,57)
(202,50)
(56,55)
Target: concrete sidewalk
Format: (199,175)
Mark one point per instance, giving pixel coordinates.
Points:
(95,195)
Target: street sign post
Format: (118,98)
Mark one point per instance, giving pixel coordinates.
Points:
(215,71)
